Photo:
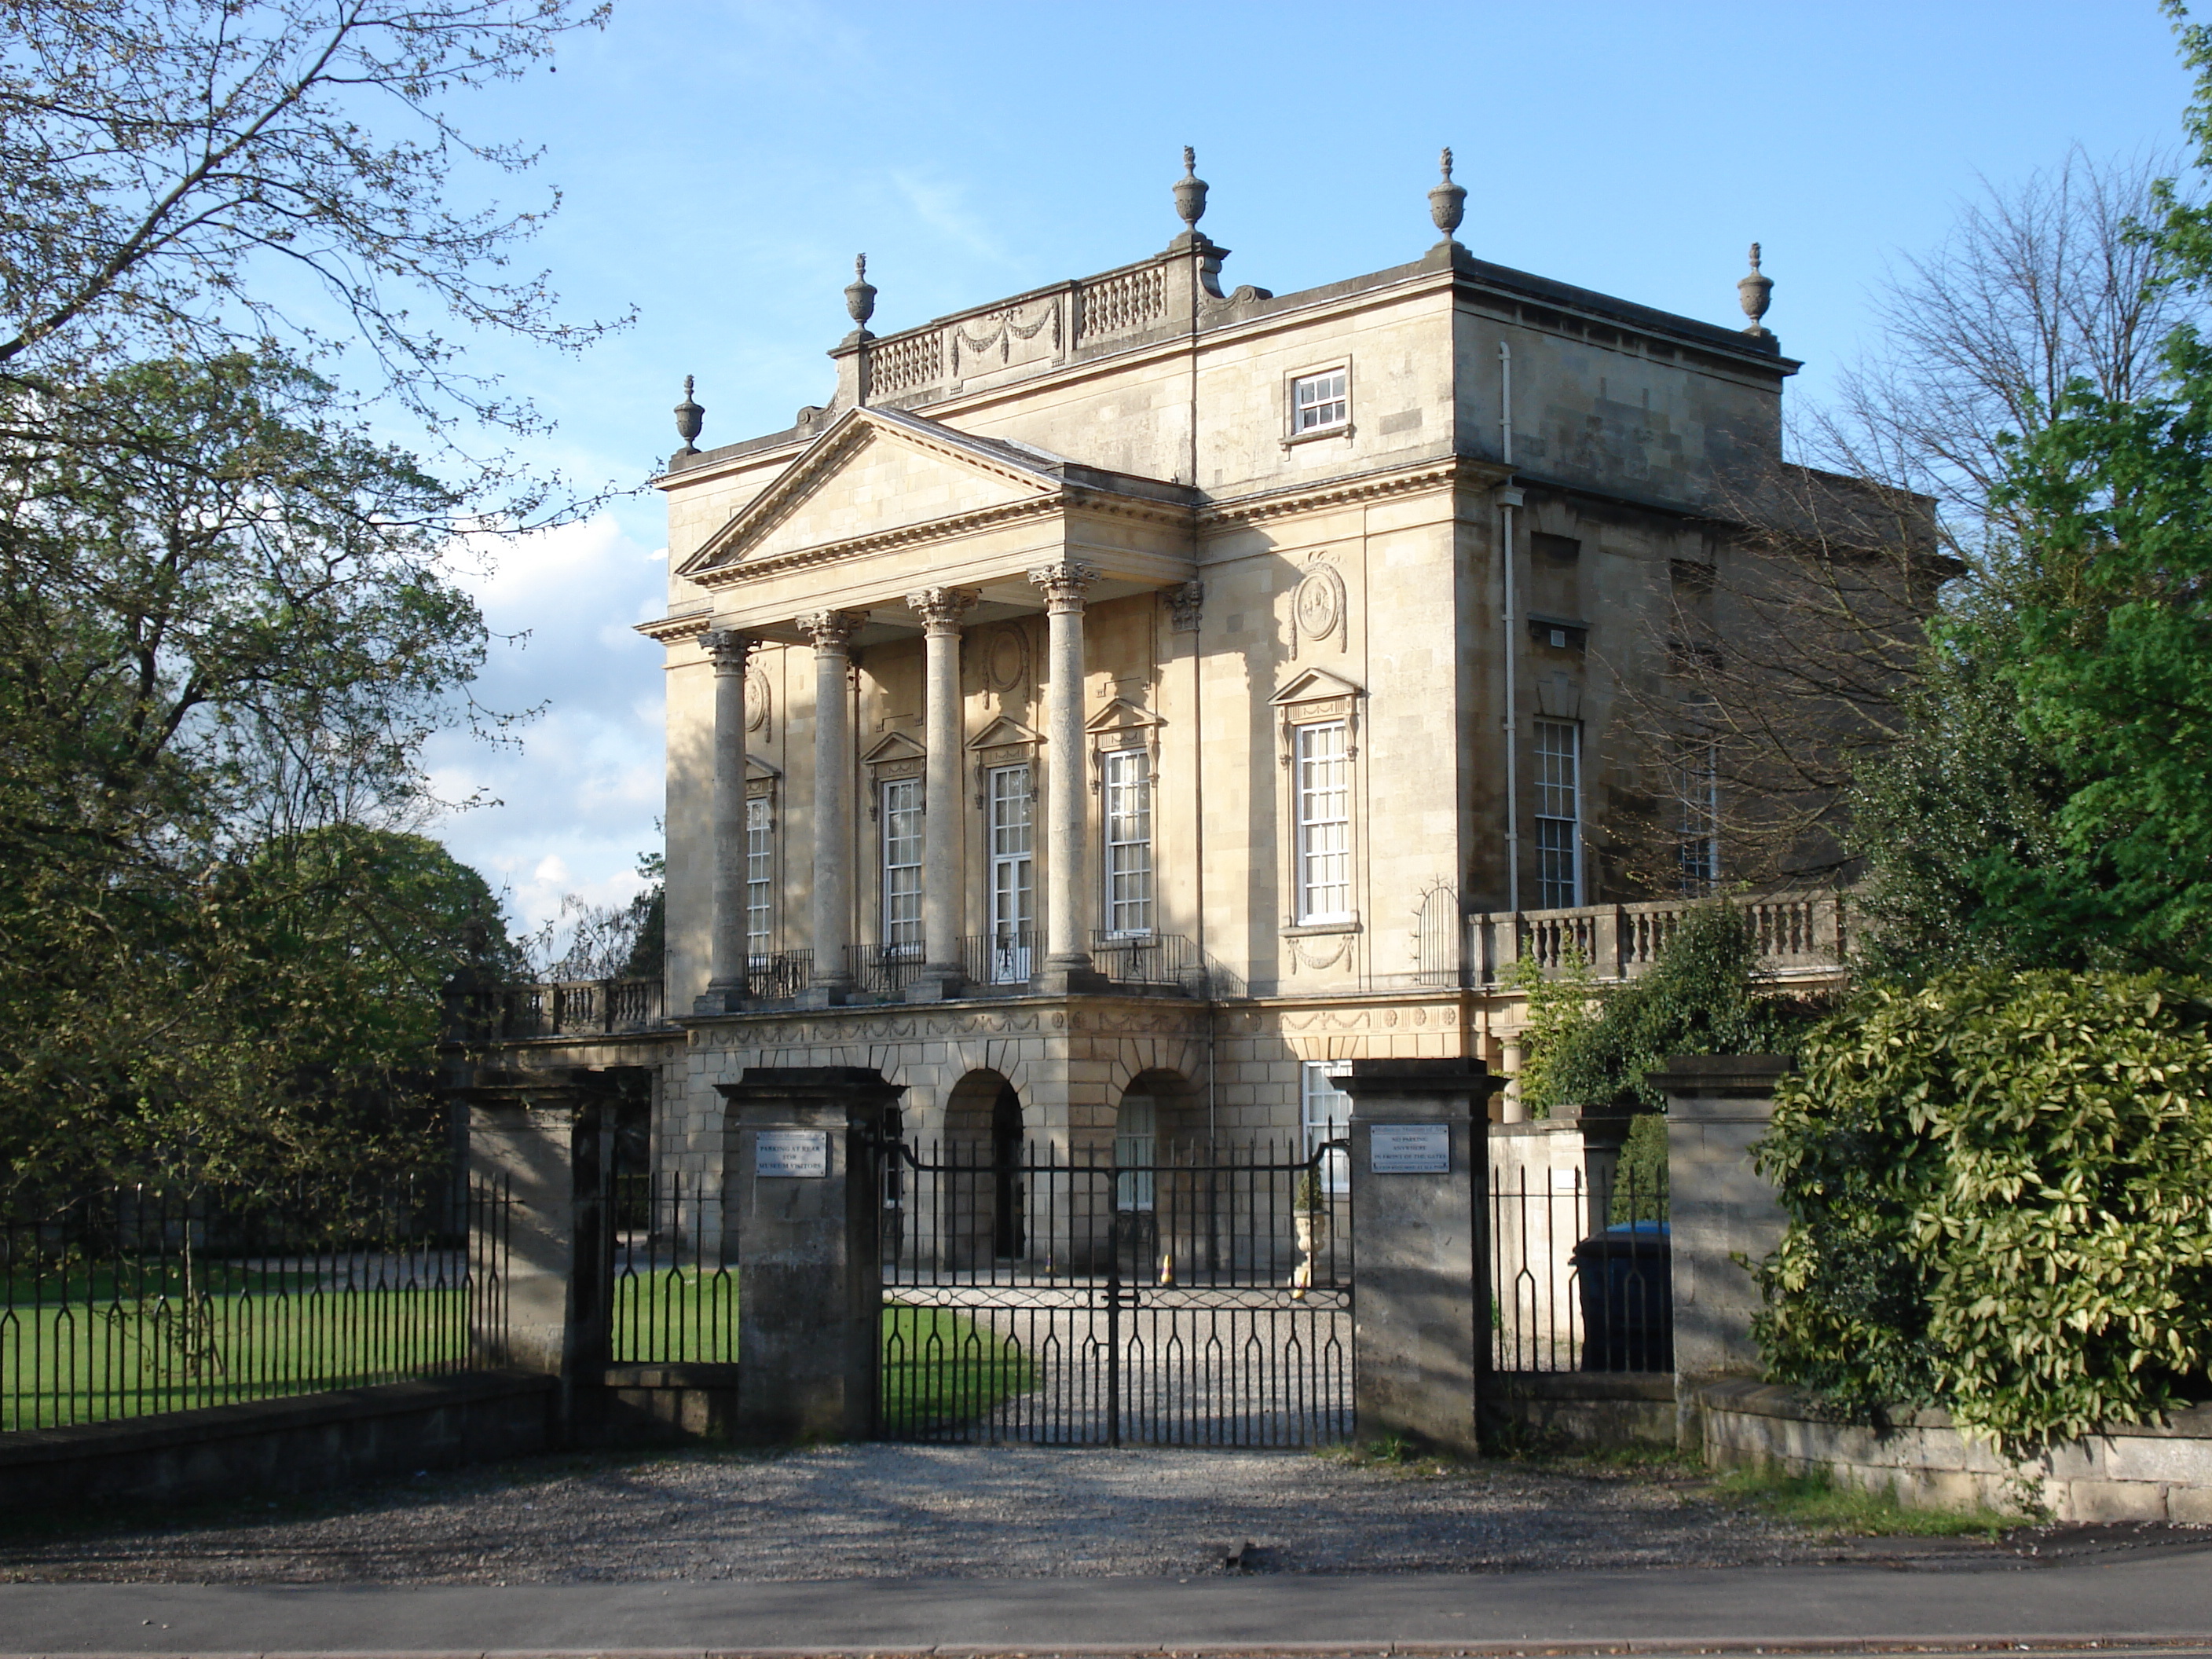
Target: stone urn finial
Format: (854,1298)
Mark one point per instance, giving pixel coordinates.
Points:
(1446,201)
(1756,291)
(1190,192)
(860,293)
(691,420)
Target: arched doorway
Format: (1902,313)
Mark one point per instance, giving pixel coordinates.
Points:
(982,1201)
(1009,1232)
(1157,1221)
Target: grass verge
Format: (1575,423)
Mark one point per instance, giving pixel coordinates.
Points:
(1815,1501)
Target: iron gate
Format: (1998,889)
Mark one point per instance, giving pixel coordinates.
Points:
(1202,1297)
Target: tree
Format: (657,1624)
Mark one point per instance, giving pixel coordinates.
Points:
(223,640)
(198,178)
(2097,634)
(1799,644)
(228,618)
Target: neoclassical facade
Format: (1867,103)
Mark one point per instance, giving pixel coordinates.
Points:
(1116,705)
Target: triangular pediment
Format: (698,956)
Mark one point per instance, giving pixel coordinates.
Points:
(1003,733)
(760,771)
(877,472)
(893,746)
(1313,686)
(1119,715)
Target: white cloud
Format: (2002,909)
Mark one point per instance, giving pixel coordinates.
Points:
(579,795)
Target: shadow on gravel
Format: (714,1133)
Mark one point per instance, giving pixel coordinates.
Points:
(875,1511)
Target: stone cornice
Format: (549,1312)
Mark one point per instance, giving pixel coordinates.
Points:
(1440,472)
(1075,497)
(673,630)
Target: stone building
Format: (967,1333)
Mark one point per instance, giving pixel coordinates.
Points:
(1120,703)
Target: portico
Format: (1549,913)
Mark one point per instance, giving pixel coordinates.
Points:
(1029,535)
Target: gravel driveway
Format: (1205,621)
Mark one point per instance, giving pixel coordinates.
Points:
(875,1510)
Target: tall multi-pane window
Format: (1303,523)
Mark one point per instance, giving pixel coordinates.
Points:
(902,830)
(1128,785)
(1012,843)
(1559,814)
(1318,401)
(1326,1112)
(1323,877)
(1697,840)
(1136,1149)
(760,878)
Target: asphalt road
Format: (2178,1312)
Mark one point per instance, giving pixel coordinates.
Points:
(2158,1595)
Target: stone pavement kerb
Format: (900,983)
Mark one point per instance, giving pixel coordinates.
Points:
(2160,1597)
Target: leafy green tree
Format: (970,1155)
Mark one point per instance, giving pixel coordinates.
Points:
(224,635)
(2097,848)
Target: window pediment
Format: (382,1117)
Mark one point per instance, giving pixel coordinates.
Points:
(1315,686)
(1003,732)
(1121,724)
(1317,694)
(892,747)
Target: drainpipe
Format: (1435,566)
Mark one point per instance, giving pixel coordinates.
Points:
(1509,499)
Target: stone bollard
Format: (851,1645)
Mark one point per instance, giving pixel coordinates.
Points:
(801,1192)
(1724,1215)
(537,1139)
(1421,1326)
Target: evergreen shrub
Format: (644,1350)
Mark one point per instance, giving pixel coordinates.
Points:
(1998,1203)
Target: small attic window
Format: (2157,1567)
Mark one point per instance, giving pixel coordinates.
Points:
(1321,401)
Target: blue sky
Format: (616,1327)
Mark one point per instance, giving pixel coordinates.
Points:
(722,161)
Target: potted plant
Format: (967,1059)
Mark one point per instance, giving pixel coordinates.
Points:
(1309,1216)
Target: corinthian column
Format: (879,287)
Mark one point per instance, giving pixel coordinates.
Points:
(725,985)
(831,633)
(940,609)
(1067,956)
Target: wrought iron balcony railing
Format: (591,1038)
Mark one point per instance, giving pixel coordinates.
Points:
(1008,957)
(885,969)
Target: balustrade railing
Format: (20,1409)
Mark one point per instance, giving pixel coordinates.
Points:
(1795,932)
(1040,326)
(589,1007)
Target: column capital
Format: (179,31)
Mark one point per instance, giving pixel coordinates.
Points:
(1063,583)
(1183,602)
(727,649)
(829,630)
(941,608)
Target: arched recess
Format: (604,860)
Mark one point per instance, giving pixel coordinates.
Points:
(1159,1144)
(981,1196)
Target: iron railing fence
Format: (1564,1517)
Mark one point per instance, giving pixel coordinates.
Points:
(1153,1291)
(883,969)
(1011,956)
(132,1300)
(674,1271)
(779,975)
(1148,959)
(1580,1270)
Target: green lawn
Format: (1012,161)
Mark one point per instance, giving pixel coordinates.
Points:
(941,1367)
(938,1365)
(104,1355)
(90,1362)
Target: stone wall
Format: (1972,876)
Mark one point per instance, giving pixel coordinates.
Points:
(304,1443)
(2147,1472)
